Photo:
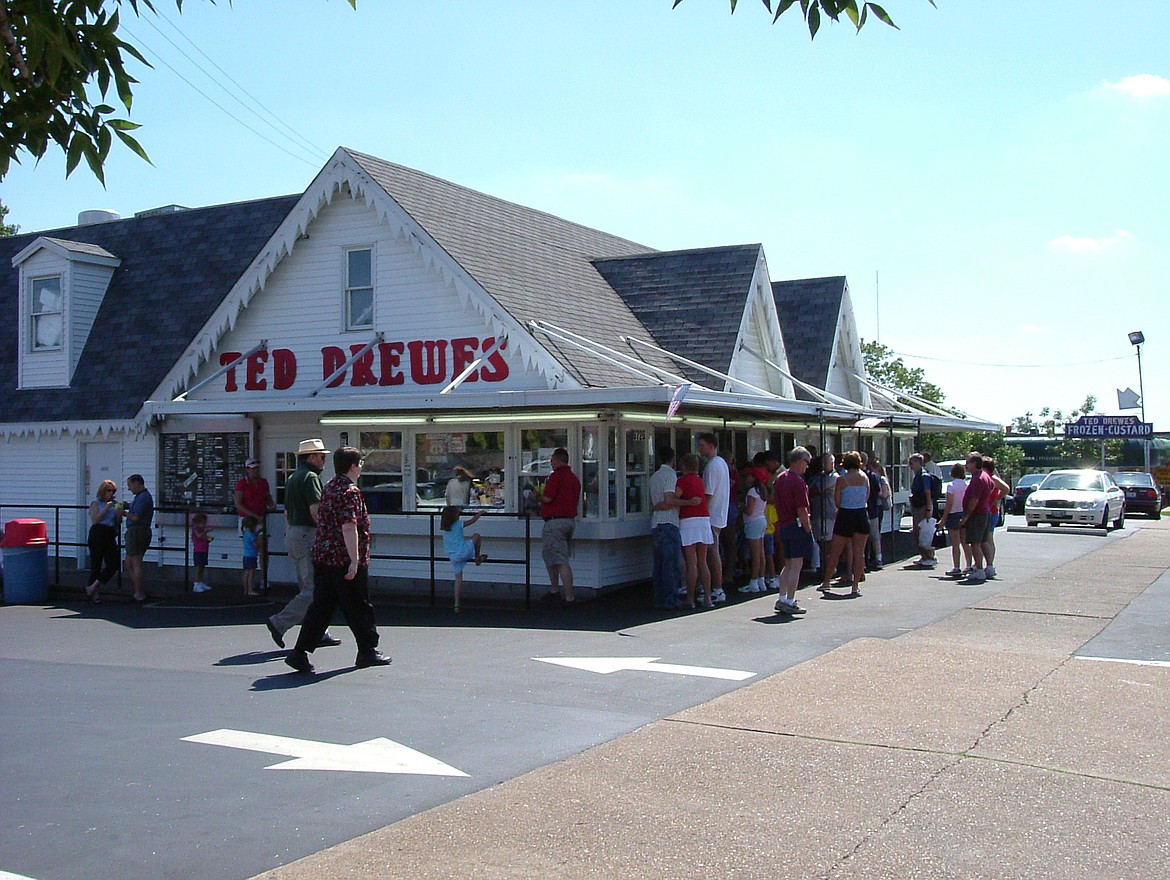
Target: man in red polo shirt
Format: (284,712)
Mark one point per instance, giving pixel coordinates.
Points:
(253,497)
(793,526)
(559,503)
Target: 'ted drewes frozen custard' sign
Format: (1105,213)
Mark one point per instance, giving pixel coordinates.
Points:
(419,362)
(1106,427)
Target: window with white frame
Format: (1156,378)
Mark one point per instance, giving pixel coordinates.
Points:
(359,288)
(46,313)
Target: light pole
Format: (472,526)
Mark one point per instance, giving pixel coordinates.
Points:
(1136,338)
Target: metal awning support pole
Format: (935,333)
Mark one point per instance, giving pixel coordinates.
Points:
(682,360)
(602,352)
(637,363)
(262,344)
(474,365)
(340,371)
(821,394)
(927,406)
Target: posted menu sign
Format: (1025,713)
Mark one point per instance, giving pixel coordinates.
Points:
(201,470)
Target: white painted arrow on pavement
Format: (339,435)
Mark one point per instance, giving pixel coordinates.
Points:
(606,665)
(379,755)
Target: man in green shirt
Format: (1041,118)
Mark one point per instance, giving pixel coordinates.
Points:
(302,495)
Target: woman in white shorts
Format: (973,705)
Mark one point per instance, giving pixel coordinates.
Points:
(755,521)
(694,526)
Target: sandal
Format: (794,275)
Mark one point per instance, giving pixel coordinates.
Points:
(855,594)
(824,588)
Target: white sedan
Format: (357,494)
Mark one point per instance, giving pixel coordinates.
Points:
(1083,497)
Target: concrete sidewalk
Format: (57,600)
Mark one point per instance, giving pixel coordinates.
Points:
(978,747)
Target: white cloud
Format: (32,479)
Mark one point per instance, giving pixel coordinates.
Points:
(1144,85)
(1085,244)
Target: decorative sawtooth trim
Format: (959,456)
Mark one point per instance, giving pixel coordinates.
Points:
(134,428)
(344,173)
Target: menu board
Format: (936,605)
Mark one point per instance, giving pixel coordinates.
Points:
(201,470)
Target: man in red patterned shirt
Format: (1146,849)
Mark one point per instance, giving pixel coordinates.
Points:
(341,566)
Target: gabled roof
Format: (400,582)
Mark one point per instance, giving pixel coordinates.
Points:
(809,311)
(82,250)
(175,270)
(692,301)
(535,265)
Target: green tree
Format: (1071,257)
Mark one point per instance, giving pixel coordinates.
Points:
(815,11)
(55,53)
(886,369)
(1084,452)
(6,228)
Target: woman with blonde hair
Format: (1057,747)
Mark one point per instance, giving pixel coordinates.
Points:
(104,512)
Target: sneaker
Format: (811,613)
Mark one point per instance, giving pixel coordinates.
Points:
(989,571)
(749,587)
(718,596)
(977,576)
(785,607)
(929,563)
(772,583)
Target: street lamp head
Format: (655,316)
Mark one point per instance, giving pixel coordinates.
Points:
(1137,337)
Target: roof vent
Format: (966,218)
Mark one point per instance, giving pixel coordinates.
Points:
(97,215)
(165,209)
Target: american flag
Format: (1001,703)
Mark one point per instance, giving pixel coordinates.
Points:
(677,398)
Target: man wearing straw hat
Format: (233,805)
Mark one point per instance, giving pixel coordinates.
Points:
(302,497)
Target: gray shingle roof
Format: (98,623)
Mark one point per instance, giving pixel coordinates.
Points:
(176,269)
(535,265)
(809,310)
(80,247)
(692,300)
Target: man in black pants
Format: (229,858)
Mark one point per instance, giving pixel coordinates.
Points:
(341,566)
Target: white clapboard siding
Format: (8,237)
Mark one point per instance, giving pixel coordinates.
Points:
(87,287)
(42,471)
(301,307)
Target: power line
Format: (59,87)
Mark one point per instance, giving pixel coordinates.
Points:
(215,103)
(256,101)
(922,357)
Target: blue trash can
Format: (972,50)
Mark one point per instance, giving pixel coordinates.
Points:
(26,562)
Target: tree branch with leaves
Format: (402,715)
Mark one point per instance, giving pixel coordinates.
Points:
(815,11)
(63,59)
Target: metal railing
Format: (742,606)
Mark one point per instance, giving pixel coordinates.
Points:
(431,558)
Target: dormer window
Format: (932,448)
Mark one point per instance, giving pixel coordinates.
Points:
(359,288)
(46,311)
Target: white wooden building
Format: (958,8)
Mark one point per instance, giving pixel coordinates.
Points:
(429,325)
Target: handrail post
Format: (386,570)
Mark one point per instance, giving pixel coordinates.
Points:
(527,563)
(431,529)
(57,545)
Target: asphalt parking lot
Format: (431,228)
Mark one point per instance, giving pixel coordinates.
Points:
(167,742)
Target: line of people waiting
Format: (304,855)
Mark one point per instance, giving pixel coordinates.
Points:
(762,521)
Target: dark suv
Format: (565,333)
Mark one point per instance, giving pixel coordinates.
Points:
(1025,486)
(1141,493)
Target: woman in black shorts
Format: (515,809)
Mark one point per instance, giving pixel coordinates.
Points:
(851,528)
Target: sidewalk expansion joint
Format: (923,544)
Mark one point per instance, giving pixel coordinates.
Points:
(966,754)
(1043,613)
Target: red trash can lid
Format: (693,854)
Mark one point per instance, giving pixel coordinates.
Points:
(25,533)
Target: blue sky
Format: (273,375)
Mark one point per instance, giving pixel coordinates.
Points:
(1001,166)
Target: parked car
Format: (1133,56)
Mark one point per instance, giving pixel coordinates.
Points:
(1141,493)
(1083,496)
(1025,486)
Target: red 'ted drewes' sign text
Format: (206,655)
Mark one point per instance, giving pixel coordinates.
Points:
(421,362)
